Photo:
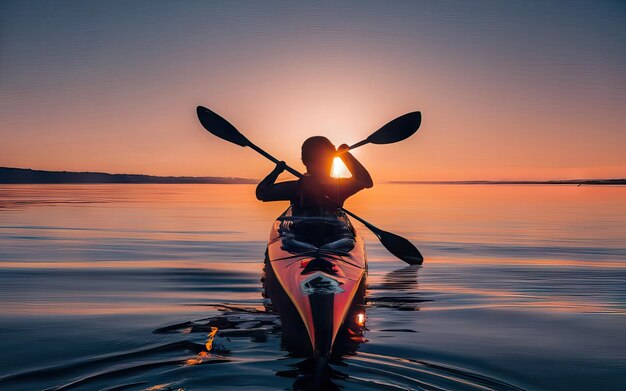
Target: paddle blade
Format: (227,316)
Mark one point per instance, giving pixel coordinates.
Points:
(398,129)
(220,127)
(400,247)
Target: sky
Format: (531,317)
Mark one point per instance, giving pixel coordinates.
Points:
(507,89)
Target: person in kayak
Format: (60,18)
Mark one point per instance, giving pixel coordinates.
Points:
(317,192)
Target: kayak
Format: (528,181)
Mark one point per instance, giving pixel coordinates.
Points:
(315,274)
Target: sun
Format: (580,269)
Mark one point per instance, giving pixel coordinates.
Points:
(339,170)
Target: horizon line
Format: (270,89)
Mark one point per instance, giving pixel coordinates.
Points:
(403,181)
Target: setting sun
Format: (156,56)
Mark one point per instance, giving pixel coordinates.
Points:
(339,169)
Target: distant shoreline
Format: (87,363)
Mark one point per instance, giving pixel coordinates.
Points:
(9,175)
(519,182)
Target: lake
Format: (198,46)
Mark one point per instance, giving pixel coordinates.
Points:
(101,287)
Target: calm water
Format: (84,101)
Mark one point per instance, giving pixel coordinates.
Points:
(109,286)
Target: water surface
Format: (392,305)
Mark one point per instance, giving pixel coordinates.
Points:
(113,287)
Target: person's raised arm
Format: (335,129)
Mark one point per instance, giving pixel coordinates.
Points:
(267,190)
(355,167)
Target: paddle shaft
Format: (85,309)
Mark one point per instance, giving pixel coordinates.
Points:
(359,144)
(273,159)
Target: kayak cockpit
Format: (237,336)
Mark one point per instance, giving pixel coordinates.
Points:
(306,234)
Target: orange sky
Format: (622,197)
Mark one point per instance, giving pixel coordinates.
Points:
(505,92)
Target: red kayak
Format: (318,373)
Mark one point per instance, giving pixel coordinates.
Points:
(315,276)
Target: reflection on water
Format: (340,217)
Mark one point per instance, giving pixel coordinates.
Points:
(117,287)
(398,290)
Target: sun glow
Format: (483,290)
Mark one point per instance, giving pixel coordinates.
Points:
(339,169)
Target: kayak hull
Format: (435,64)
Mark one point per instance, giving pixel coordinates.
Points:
(318,288)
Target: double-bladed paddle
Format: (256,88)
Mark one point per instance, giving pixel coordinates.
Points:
(397,130)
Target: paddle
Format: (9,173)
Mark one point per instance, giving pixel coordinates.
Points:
(395,130)
(397,245)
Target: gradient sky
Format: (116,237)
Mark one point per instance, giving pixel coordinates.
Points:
(508,90)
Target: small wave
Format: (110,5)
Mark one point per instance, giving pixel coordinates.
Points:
(403,373)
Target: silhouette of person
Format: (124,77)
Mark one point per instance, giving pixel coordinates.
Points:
(317,193)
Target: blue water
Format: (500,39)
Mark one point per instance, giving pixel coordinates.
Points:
(114,287)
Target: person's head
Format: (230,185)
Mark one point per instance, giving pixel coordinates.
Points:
(317,155)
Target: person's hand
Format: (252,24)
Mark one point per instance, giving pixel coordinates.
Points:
(343,148)
(280,166)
